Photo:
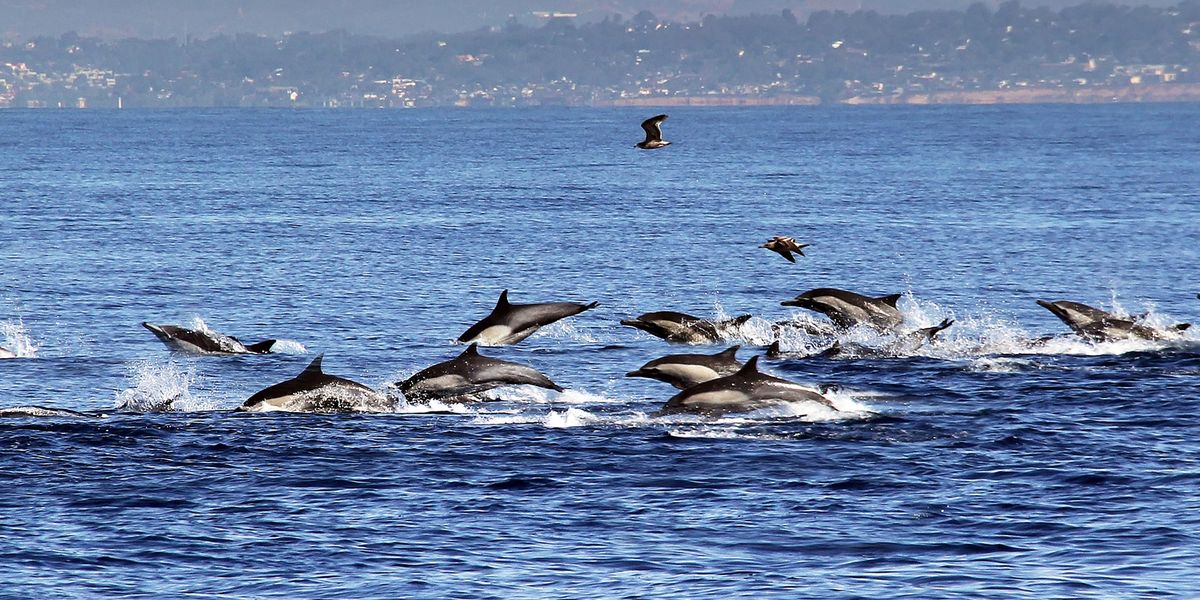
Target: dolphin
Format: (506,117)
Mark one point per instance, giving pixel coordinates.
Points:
(195,341)
(462,378)
(684,328)
(510,323)
(6,353)
(894,346)
(810,328)
(314,391)
(847,309)
(744,391)
(685,370)
(43,411)
(1097,325)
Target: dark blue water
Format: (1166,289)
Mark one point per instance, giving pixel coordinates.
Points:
(978,467)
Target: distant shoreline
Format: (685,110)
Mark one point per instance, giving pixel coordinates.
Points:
(1129,94)
(1178,92)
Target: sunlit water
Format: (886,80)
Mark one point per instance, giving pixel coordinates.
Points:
(979,466)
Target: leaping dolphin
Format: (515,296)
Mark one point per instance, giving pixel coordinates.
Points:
(314,391)
(744,391)
(847,309)
(684,328)
(685,370)
(195,341)
(1099,326)
(510,323)
(464,377)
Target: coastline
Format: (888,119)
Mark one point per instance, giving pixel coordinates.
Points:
(1175,92)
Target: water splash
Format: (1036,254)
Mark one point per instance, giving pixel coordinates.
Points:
(16,339)
(161,386)
(565,330)
(288,347)
(571,417)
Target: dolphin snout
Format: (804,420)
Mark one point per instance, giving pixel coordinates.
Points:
(156,330)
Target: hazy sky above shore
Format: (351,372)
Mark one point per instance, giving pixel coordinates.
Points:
(392,18)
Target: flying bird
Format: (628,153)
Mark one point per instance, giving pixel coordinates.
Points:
(653,133)
(785,246)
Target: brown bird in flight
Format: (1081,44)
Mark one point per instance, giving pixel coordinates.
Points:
(785,246)
(653,133)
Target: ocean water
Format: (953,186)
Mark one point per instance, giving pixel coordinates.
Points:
(979,466)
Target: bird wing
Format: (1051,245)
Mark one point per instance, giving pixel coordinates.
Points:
(653,130)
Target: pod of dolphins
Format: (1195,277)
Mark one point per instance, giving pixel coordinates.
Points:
(708,384)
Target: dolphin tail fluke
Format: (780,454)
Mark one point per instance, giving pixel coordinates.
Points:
(940,327)
(890,299)
(740,319)
(262,347)
(590,306)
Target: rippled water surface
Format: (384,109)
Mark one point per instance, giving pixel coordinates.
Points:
(978,466)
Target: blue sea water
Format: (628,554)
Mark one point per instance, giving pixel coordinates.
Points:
(976,467)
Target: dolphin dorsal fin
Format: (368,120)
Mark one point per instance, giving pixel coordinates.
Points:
(1182,326)
(472,350)
(750,368)
(503,301)
(890,299)
(730,352)
(773,350)
(314,367)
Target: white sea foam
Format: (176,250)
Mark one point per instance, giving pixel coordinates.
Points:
(432,407)
(16,339)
